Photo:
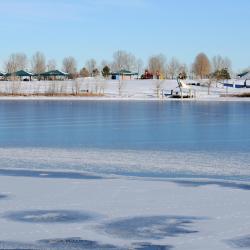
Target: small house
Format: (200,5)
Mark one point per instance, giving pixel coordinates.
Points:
(124,75)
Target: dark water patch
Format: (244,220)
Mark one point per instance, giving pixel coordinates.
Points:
(74,243)
(149,246)
(47,174)
(191,183)
(242,242)
(166,175)
(49,216)
(150,227)
(3,196)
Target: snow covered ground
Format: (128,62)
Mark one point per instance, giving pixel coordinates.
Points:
(50,211)
(133,89)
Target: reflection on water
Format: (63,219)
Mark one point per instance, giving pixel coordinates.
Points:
(140,125)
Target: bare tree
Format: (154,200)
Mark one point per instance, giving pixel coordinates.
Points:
(13,88)
(15,62)
(219,63)
(51,65)
(184,70)
(76,86)
(211,80)
(121,86)
(139,64)
(90,65)
(69,66)
(157,64)
(123,60)
(158,87)
(173,68)
(202,66)
(38,63)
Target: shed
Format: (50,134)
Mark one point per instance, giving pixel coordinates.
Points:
(123,75)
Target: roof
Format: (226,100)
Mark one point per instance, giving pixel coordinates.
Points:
(53,73)
(243,74)
(2,73)
(20,73)
(124,72)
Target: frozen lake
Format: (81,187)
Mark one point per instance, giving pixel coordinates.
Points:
(122,137)
(124,175)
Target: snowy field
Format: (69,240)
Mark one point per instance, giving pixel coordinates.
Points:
(126,89)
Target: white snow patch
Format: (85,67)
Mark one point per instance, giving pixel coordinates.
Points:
(127,161)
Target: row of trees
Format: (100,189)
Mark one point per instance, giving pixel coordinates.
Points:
(157,65)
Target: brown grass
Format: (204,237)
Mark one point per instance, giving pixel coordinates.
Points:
(237,95)
(53,94)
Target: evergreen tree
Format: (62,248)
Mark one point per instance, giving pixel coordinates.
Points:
(222,74)
(106,71)
(95,72)
(84,72)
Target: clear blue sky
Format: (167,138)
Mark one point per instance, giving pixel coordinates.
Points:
(96,28)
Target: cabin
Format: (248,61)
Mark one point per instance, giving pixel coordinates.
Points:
(124,75)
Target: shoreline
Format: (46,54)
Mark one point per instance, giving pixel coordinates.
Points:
(132,99)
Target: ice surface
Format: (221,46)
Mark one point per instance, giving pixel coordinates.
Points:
(48,216)
(129,162)
(125,213)
(150,227)
(76,243)
(240,242)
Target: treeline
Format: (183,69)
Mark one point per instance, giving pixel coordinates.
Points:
(202,67)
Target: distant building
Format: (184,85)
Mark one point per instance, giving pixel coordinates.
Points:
(21,74)
(53,75)
(124,75)
(245,75)
(2,75)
